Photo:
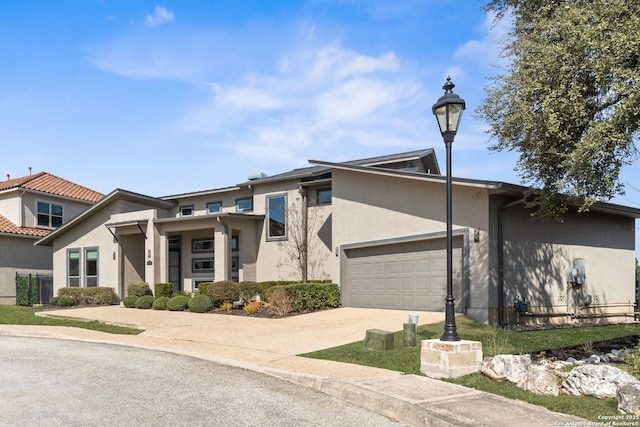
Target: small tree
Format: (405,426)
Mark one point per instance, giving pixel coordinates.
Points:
(303,248)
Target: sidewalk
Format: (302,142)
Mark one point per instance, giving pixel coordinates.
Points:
(270,346)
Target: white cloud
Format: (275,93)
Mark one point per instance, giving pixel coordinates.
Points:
(487,50)
(160,16)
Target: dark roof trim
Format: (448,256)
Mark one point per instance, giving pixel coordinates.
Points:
(117,194)
(209,216)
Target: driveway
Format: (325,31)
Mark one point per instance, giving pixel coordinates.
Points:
(272,343)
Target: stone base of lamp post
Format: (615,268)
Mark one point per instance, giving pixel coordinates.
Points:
(450,359)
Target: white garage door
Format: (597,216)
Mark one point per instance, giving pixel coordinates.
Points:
(407,276)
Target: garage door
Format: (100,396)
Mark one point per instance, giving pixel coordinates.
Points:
(407,276)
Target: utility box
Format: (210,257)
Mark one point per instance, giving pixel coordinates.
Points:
(577,275)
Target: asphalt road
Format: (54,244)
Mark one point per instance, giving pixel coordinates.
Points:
(70,383)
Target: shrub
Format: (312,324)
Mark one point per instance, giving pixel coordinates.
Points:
(280,300)
(178,303)
(160,303)
(314,296)
(248,290)
(145,302)
(226,306)
(182,293)
(139,289)
(224,291)
(200,303)
(65,301)
(633,362)
(163,290)
(130,301)
(54,301)
(202,288)
(252,307)
(97,295)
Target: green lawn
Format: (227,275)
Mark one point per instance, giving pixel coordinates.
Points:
(16,315)
(494,341)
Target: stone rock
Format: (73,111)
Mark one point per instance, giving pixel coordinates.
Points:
(540,380)
(510,367)
(628,397)
(600,381)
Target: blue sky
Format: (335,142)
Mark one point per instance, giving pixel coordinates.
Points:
(177,96)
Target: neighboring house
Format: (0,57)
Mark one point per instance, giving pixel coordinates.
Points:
(374,226)
(30,208)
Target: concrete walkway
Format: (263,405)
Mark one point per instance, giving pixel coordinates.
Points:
(270,346)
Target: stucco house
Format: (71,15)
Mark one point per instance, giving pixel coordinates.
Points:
(31,207)
(376,227)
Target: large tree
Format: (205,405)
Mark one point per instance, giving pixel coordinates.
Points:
(569,100)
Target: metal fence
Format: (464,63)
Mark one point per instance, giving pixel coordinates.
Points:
(33,289)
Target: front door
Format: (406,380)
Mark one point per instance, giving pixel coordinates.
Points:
(174,263)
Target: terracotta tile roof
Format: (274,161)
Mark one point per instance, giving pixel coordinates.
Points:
(48,183)
(8,227)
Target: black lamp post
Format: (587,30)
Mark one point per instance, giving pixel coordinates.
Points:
(448,111)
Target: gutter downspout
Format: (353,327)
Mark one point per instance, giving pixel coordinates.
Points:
(227,250)
(501,257)
(21,213)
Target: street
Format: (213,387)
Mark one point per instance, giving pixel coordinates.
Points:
(58,382)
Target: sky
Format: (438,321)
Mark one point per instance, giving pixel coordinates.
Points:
(169,97)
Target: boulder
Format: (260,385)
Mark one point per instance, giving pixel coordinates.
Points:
(628,397)
(600,381)
(510,367)
(540,380)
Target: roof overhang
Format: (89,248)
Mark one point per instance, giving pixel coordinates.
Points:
(115,195)
(493,187)
(221,215)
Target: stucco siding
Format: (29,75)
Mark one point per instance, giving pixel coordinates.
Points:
(538,257)
(18,255)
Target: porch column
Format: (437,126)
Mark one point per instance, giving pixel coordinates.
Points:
(222,245)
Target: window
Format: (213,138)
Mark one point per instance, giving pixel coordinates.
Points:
(235,242)
(202,245)
(323,196)
(244,205)
(277,217)
(49,214)
(73,267)
(214,207)
(91,267)
(186,210)
(200,265)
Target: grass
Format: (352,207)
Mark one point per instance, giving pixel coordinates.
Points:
(17,315)
(494,341)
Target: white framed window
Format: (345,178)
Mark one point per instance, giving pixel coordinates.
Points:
(91,267)
(202,245)
(214,207)
(323,196)
(73,268)
(244,204)
(277,217)
(186,210)
(49,214)
(201,265)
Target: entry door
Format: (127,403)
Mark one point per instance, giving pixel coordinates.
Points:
(174,263)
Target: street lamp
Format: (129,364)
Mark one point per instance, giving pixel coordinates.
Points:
(448,111)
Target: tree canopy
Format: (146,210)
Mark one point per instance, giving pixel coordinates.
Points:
(569,100)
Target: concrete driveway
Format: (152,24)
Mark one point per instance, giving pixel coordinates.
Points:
(272,343)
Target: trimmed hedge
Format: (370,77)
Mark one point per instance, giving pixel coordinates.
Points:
(200,303)
(178,303)
(65,302)
(203,287)
(26,291)
(144,302)
(225,291)
(130,301)
(160,303)
(139,289)
(314,296)
(163,290)
(82,296)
